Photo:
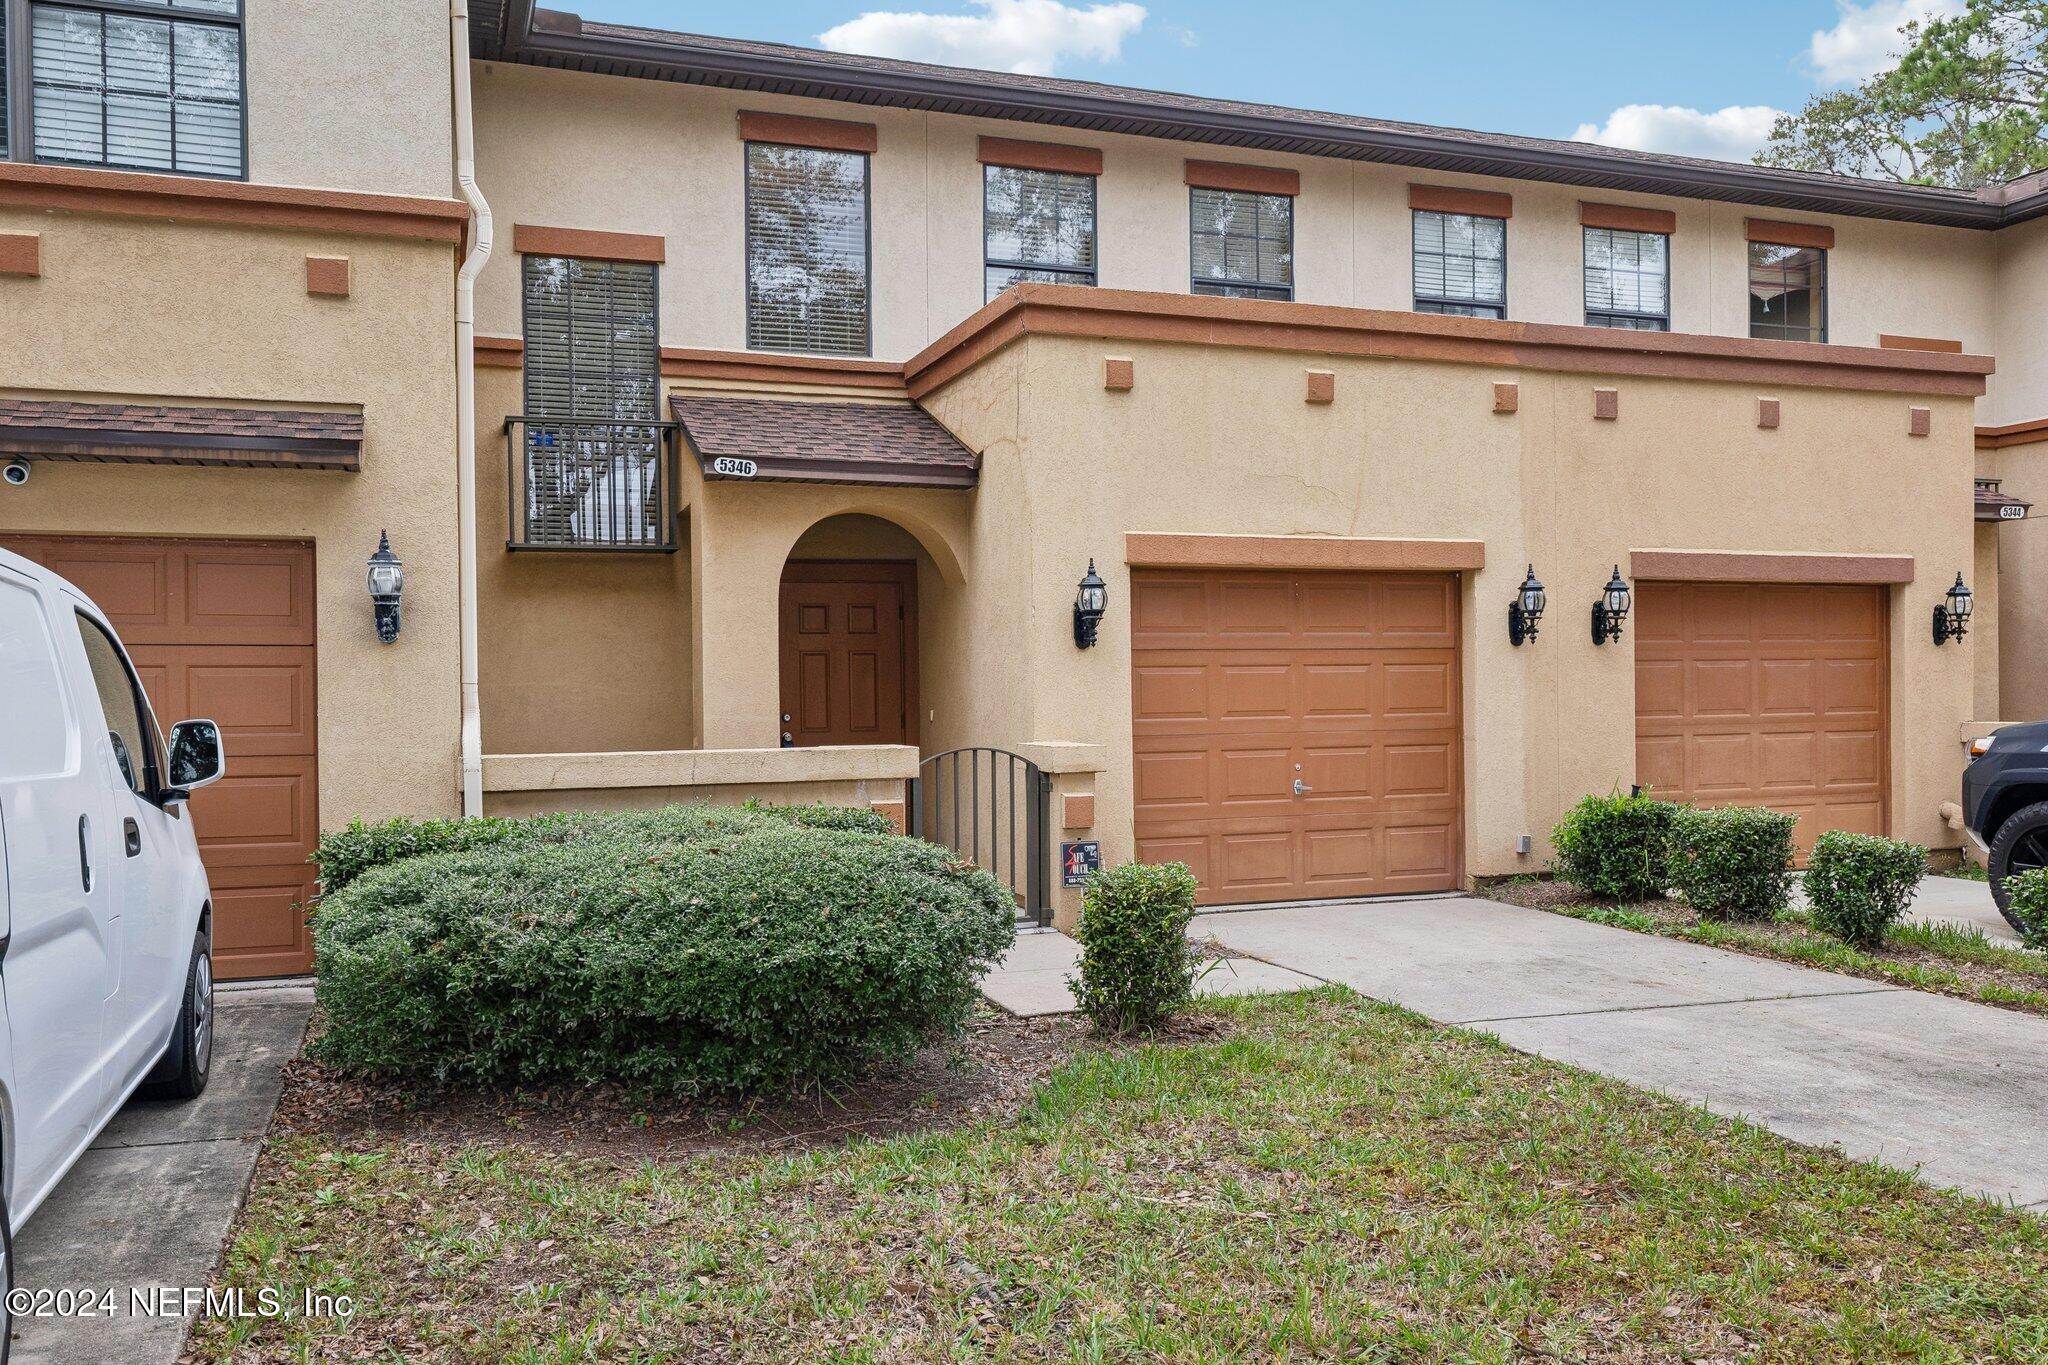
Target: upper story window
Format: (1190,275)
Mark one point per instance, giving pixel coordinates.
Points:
(1788,292)
(139,85)
(1461,264)
(1628,279)
(1241,245)
(807,250)
(1036,226)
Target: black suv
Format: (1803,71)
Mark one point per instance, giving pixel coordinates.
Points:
(2005,801)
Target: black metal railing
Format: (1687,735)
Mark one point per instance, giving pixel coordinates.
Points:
(993,808)
(590,485)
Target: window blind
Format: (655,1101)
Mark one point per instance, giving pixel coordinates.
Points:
(1037,226)
(1241,244)
(1628,279)
(807,250)
(591,345)
(138,92)
(1461,264)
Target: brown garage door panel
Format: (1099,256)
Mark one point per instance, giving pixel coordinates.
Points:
(1243,683)
(1766,694)
(224,629)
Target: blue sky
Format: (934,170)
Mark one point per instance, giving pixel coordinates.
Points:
(1697,78)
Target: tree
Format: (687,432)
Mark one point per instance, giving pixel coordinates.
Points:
(1964,106)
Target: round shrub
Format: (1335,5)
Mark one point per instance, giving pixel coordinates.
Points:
(1613,847)
(1137,966)
(2029,906)
(1733,861)
(754,957)
(1859,884)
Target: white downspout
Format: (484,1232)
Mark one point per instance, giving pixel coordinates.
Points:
(465,407)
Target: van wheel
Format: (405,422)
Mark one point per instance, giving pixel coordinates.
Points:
(182,1073)
(2021,845)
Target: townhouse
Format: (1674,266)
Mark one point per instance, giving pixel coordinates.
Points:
(1323,501)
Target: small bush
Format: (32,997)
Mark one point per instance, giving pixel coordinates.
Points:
(1613,847)
(1137,966)
(1859,884)
(757,956)
(1733,861)
(2028,902)
(346,854)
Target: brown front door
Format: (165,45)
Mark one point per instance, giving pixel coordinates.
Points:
(849,652)
(1297,735)
(223,629)
(1763,694)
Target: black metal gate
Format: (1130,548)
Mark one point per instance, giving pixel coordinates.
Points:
(993,808)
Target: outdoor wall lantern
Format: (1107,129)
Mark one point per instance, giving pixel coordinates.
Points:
(1089,604)
(1526,610)
(1610,609)
(1952,613)
(387,580)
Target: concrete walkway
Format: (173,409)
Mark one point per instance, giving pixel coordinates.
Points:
(149,1205)
(1956,1090)
(1957,900)
(1032,977)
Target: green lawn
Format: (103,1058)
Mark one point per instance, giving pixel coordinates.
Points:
(1327,1178)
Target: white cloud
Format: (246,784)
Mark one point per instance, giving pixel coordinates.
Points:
(1865,38)
(1731,134)
(1030,37)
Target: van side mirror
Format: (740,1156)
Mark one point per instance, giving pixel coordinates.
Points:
(195,758)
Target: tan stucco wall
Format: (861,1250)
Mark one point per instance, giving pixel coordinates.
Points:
(350,94)
(159,312)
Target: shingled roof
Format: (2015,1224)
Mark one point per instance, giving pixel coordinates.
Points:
(797,441)
(141,433)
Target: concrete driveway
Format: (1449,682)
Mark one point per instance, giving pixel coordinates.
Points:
(1955,1090)
(1955,900)
(150,1203)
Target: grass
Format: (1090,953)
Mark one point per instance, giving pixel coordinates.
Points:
(1324,1178)
(1966,871)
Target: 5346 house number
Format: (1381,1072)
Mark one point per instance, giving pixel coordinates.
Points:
(734,467)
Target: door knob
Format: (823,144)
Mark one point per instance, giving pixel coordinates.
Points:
(1302,788)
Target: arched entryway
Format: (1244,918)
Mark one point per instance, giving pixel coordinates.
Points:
(849,612)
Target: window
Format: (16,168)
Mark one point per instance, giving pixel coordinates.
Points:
(1461,264)
(1037,226)
(150,85)
(1628,279)
(807,250)
(1242,244)
(127,716)
(1788,292)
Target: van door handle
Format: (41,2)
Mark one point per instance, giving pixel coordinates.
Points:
(132,833)
(85,853)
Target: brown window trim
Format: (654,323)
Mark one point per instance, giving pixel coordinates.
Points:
(1775,233)
(585,245)
(1945,345)
(1743,566)
(1476,203)
(795,130)
(1627,218)
(1039,156)
(1227,175)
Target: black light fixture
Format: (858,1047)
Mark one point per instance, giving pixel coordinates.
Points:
(1610,609)
(1526,610)
(1089,604)
(1952,613)
(387,581)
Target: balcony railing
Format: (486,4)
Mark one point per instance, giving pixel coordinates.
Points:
(590,485)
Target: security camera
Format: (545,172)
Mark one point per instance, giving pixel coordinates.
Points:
(16,472)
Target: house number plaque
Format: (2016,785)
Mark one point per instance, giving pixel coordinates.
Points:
(735,468)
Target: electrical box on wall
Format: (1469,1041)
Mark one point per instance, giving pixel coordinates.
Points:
(1524,845)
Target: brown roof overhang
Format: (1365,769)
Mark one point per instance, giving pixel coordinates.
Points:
(1992,505)
(514,30)
(785,440)
(134,433)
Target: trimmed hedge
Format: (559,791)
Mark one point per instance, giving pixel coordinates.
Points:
(1734,861)
(346,854)
(681,952)
(1137,966)
(2028,902)
(1859,884)
(1613,847)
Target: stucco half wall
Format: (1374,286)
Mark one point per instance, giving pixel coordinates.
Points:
(1214,438)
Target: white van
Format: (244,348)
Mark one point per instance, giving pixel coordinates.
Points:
(106,979)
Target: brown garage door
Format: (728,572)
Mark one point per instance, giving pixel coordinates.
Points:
(1244,684)
(224,629)
(1768,695)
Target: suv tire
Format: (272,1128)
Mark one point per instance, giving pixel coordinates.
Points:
(2021,845)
